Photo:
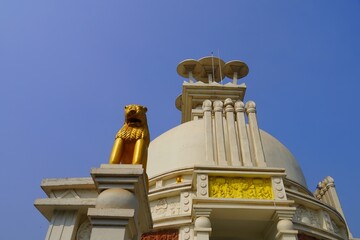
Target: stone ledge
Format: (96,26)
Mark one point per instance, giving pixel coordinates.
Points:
(47,206)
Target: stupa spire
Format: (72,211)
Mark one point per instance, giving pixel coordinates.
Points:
(205,82)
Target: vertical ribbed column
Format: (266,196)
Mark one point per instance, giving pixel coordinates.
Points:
(233,143)
(255,134)
(242,134)
(326,192)
(209,146)
(332,195)
(63,226)
(219,133)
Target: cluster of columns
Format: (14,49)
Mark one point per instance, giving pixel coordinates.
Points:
(228,139)
(326,192)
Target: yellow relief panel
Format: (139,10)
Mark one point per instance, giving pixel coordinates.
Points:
(246,188)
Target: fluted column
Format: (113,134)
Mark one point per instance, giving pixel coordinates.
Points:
(209,146)
(326,192)
(219,133)
(233,142)
(63,225)
(242,134)
(255,134)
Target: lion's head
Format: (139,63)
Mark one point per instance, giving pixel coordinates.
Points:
(135,115)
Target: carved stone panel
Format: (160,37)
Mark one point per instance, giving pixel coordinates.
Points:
(317,218)
(307,216)
(165,207)
(240,187)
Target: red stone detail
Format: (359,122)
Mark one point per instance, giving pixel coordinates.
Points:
(161,235)
(302,236)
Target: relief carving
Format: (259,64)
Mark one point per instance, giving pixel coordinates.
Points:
(161,235)
(327,221)
(165,207)
(246,188)
(307,216)
(84,231)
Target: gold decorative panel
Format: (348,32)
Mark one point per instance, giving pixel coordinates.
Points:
(240,187)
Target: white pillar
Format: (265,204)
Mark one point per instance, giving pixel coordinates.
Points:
(63,225)
(285,227)
(202,228)
(285,230)
(219,134)
(255,134)
(242,134)
(209,145)
(233,143)
(191,77)
(235,78)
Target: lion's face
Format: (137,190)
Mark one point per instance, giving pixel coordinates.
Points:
(135,115)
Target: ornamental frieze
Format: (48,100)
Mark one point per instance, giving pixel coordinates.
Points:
(165,207)
(307,216)
(240,187)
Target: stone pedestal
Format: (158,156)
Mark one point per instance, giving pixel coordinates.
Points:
(202,225)
(285,228)
(122,198)
(110,224)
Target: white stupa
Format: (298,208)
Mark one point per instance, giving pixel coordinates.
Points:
(215,176)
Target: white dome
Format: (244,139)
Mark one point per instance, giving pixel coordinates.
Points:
(184,146)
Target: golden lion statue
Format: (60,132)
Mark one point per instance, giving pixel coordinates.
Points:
(132,141)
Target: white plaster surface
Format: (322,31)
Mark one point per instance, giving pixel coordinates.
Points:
(184,146)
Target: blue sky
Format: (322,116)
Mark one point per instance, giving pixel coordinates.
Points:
(67,68)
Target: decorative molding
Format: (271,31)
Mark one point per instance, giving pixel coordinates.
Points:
(326,221)
(307,216)
(319,219)
(165,207)
(240,187)
(71,193)
(279,189)
(186,202)
(186,233)
(323,187)
(202,185)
